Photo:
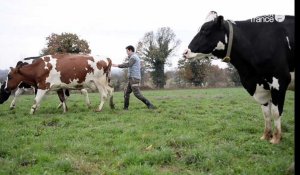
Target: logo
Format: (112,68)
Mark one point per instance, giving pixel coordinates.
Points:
(279,18)
(268,18)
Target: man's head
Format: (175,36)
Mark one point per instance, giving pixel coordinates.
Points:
(130,50)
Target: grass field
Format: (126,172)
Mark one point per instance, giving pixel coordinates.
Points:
(198,131)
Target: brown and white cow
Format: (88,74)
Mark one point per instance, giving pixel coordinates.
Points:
(63,94)
(64,71)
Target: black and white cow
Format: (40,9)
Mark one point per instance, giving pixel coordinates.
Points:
(262,51)
(21,89)
(3,94)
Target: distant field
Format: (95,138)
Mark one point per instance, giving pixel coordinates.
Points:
(199,131)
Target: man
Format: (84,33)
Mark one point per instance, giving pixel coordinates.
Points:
(134,75)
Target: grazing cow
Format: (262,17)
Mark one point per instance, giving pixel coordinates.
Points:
(262,51)
(3,95)
(21,89)
(63,94)
(64,71)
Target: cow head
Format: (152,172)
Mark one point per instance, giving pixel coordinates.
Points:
(211,40)
(4,95)
(14,78)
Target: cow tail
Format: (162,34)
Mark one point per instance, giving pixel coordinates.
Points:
(108,72)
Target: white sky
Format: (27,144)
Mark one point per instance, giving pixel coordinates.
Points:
(110,25)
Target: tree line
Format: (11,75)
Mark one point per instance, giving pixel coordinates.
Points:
(154,49)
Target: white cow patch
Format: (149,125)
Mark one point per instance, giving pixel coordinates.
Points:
(262,95)
(54,75)
(220,46)
(288,41)
(188,54)
(274,83)
(6,83)
(46,67)
(73,82)
(6,80)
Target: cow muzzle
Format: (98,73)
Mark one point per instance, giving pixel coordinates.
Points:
(187,54)
(7,90)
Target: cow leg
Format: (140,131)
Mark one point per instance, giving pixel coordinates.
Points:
(17,94)
(87,99)
(38,98)
(61,98)
(110,93)
(278,97)
(277,122)
(263,97)
(103,97)
(268,124)
(63,95)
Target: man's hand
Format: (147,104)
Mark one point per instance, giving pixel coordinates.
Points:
(115,65)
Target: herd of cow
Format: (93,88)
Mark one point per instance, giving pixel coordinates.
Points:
(262,52)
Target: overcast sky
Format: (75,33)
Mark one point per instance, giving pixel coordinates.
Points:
(109,26)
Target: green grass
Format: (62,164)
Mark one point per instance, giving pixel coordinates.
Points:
(199,131)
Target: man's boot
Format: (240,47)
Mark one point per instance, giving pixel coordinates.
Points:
(126,103)
(149,105)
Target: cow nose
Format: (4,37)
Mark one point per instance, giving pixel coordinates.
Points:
(185,53)
(6,90)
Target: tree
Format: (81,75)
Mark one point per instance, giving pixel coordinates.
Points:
(234,75)
(65,43)
(194,70)
(217,77)
(154,49)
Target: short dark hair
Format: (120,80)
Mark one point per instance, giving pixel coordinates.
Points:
(130,47)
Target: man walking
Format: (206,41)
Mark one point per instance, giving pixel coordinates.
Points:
(134,75)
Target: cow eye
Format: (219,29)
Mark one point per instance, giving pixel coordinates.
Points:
(9,77)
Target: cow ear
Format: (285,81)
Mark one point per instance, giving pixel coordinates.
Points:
(11,68)
(220,20)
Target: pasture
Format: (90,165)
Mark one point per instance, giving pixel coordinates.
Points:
(195,131)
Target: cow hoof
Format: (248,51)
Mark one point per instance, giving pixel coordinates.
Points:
(264,137)
(12,108)
(112,106)
(275,141)
(97,110)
